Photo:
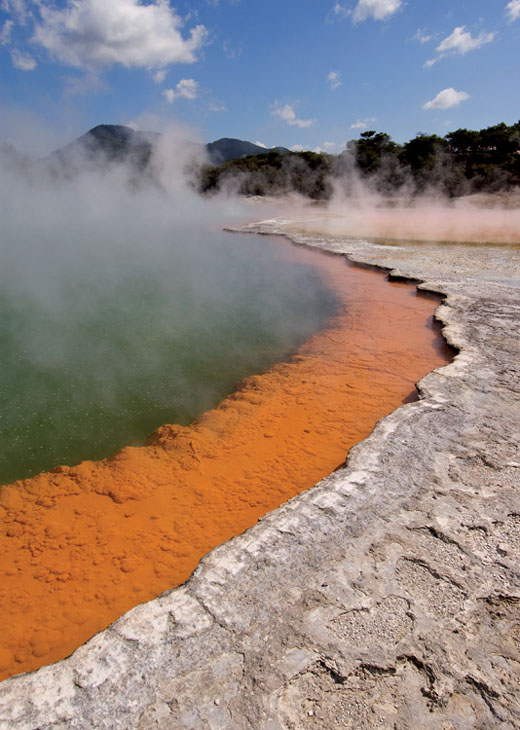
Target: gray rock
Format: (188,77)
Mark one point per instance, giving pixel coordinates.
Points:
(386,597)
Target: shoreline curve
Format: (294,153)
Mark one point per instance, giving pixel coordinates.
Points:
(389,593)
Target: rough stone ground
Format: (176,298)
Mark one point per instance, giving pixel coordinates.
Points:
(386,597)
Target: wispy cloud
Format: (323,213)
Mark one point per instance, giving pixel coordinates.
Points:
(159,76)
(185,89)
(5,33)
(328,147)
(169,95)
(376,9)
(22,61)
(422,37)
(337,12)
(84,84)
(288,114)
(460,42)
(363,123)
(89,33)
(18,9)
(334,79)
(446,99)
(232,51)
(217,106)
(513,10)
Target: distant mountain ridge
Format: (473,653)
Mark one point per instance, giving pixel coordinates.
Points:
(115,139)
(460,163)
(116,142)
(106,143)
(245,167)
(228,148)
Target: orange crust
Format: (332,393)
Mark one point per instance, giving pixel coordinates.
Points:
(81,545)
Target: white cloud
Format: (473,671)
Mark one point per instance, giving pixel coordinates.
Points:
(185,89)
(169,95)
(22,61)
(363,123)
(217,106)
(261,144)
(188,88)
(297,148)
(422,37)
(338,11)
(328,147)
(18,8)
(159,76)
(96,33)
(460,41)
(376,9)
(5,33)
(288,114)
(334,79)
(513,10)
(446,98)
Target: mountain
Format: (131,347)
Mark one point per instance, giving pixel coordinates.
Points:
(105,143)
(117,143)
(227,148)
(255,169)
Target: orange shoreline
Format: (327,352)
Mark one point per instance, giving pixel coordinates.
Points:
(83,544)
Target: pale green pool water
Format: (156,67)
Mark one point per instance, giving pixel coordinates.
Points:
(100,344)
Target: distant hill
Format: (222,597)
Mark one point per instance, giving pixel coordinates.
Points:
(460,163)
(115,140)
(117,143)
(249,168)
(104,144)
(227,149)
(271,173)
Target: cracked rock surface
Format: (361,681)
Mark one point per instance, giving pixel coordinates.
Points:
(386,597)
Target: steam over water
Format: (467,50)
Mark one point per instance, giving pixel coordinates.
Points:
(122,311)
(124,306)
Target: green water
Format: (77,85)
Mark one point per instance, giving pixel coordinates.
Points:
(100,345)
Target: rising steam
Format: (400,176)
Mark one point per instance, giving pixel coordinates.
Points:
(373,208)
(475,219)
(121,295)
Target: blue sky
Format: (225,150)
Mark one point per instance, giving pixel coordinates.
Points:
(300,73)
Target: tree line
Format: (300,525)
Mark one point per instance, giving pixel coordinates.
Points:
(462,162)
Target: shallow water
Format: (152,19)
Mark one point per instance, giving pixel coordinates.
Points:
(104,347)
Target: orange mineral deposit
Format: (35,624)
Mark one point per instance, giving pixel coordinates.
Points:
(81,545)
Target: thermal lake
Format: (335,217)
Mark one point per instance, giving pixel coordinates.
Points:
(83,543)
(102,341)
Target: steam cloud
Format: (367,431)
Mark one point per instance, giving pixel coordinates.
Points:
(424,219)
(389,206)
(90,256)
(358,209)
(85,244)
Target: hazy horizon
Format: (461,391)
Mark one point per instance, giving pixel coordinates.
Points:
(274,74)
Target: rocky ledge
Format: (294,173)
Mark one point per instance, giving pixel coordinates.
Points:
(386,597)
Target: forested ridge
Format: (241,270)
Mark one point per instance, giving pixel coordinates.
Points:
(462,162)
